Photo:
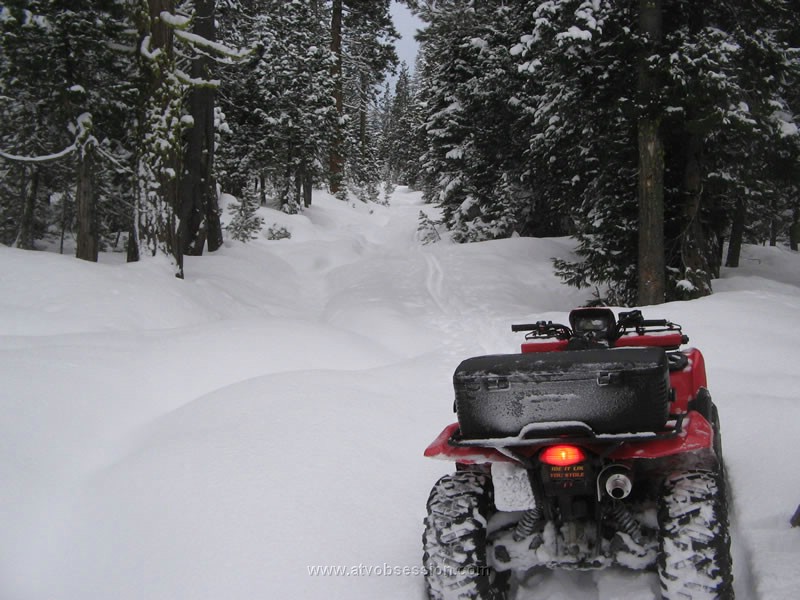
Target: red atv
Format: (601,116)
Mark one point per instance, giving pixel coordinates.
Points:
(597,445)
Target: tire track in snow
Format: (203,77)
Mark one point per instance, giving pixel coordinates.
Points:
(468,328)
(434,281)
(744,579)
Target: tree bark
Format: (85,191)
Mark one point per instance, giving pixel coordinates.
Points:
(336,161)
(652,284)
(87,243)
(198,198)
(308,182)
(774,225)
(159,153)
(24,239)
(696,255)
(651,267)
(794,231)
(737,235)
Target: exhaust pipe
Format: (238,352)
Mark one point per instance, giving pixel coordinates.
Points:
(616,482)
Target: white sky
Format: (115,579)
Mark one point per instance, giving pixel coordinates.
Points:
(406,24)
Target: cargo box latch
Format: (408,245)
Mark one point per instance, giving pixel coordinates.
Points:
(609,378)
(496,383)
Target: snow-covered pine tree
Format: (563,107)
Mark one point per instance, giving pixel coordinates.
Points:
(729,73)
(279,104)
(199,213)
(713,128)
(167,42)
(159,138)
(399,150)
(362,40)
(245,223)
(80,105)
(467,86)
(579,120)
(368,50)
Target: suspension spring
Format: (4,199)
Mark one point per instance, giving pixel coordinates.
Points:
(530,523)
(626,522)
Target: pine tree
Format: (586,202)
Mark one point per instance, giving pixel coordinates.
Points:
(159,140)
(79,107)
(473,151)
(279,105)
(198,206)
(245,223)
(399,150)
(362,41)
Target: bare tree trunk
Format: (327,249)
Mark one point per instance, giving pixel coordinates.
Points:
(737,235)
(24,239)
(652,284)
(298,187)
(336,160)
(86,205)
(132,247)
(198,197)
(63,223)
(363,108)
(308,182)
(794,230)
(696,253)
(773,225)
(696,256)
(214,219)
(651,287)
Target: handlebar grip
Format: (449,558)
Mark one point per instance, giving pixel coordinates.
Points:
(525,327)
(653,323)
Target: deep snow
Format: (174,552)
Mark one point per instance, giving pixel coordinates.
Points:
(220,437)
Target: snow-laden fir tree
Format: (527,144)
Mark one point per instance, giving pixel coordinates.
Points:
(398,149)
(535,111)
(67,82)
(279,104)
(467,86)
(368,53)
(245,223)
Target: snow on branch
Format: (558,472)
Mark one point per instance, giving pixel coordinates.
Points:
(145,49)
(196,81)
(175,21)
(201,42)
(46,158)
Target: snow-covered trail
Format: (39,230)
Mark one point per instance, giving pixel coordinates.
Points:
(223,436)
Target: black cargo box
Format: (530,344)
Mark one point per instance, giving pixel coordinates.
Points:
(620,390)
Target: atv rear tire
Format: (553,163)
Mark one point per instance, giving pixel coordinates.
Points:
(455,539)
(694,559)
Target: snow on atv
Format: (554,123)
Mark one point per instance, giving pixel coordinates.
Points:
(597,445)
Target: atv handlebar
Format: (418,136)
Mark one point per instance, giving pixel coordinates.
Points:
(544,329)
(654,323)
(634,319)
(525,327)
(627,324)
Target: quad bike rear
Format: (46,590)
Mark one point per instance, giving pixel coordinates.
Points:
(597,445)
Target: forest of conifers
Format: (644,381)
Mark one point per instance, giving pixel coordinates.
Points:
(661,134)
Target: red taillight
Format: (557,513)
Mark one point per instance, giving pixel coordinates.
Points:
(562,456)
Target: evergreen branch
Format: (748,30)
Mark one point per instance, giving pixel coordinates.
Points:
(200,42)
(184,77)
(39,159)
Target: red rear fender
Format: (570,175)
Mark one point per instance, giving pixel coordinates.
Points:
(696,435)
(687,381)
(473,455)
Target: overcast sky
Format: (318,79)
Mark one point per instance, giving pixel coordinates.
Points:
(406,24)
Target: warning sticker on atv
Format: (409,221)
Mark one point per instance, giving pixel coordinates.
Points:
(569,479)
